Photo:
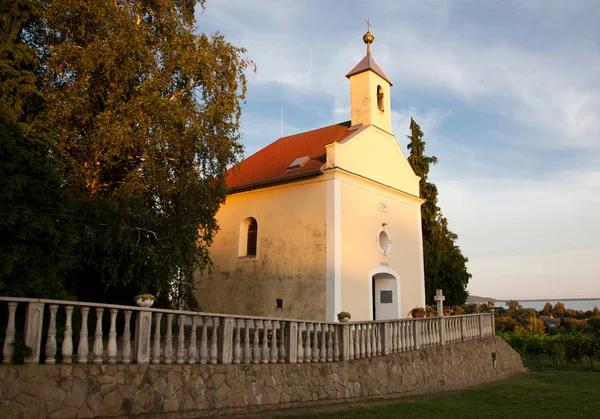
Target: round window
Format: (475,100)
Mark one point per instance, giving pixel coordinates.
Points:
(384,242)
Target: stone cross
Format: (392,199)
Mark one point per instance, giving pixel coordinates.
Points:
(439,298)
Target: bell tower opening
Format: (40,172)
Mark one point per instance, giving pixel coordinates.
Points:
(380,98)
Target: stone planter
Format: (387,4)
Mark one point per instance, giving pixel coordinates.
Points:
(144,302)
(344,319)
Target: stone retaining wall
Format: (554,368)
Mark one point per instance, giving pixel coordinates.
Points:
(90,390)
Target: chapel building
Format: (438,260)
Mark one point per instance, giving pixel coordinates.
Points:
(324,221)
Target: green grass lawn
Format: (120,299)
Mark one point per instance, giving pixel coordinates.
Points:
(550,392)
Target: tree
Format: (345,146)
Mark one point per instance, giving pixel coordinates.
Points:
(147,114)
(444,263)
(512,307)
(36,234)
(559,309)
(547,310)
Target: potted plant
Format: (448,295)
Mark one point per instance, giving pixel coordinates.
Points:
(417,312)
(343,316)
(448,311)
(145,300)
(430,311)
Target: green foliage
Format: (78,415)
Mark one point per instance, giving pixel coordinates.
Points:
(146,115)
(444,264)
(547,310)
(343,315)
(569,347)
(36,232)
(559,309)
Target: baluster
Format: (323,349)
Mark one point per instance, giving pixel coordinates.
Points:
(307,348)
(394,337)
(8,348)
(315,339)
(214,344)
(367,337)
(51,340)
(237,347)
(111,349)
(430,332)
(83,347)
(67,345)
(255,343)
(371,334)
(274,348)
(265,344)
(98,347)
(403,336)
(323,351)
(282,342)
(363,344)
(156,339)
(126,338)
(181,340)
(168,354)
(336,343)
(192,351)
(204,341)
(351,341)
(247,351)
(329,343)
(378,331)
(300,357)
(357,333)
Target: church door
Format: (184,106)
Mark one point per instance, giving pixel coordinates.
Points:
(385,297)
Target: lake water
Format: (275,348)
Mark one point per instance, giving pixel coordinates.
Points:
(573,304)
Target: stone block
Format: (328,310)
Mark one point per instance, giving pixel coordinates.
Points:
(111,404)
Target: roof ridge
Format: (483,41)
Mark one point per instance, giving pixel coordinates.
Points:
(348,124)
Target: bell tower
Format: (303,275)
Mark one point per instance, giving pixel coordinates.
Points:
(370,91)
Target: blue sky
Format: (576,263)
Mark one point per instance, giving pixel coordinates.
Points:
(507,94)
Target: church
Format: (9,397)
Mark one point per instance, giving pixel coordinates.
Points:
(324,221)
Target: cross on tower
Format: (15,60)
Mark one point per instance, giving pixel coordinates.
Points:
(439,298)
(368,22)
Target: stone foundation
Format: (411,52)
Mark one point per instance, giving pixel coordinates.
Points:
(87,391)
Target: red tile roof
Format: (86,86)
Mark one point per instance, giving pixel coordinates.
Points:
(269,165)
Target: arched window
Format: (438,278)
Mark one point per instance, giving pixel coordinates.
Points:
(248,237)
(380,98)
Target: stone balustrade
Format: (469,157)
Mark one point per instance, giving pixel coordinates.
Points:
(68,332)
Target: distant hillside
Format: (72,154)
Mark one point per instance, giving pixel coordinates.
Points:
(476,299)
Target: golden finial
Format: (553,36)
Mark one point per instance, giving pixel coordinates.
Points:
(368,37)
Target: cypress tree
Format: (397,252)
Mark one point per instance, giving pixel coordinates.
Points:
(444,264)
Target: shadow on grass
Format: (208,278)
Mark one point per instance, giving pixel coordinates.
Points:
(552,391)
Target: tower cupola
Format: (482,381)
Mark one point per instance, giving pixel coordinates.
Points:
(369,91)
